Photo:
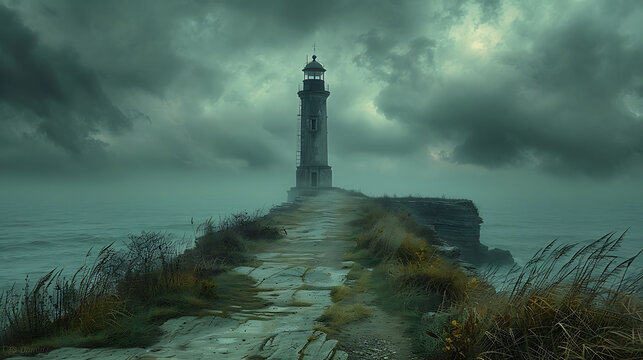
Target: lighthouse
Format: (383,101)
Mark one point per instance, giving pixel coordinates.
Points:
(313,172)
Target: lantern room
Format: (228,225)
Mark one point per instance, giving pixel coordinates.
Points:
(314,75)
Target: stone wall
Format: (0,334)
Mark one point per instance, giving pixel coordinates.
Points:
(456,222)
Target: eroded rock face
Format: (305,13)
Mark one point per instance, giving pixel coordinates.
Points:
(456,222)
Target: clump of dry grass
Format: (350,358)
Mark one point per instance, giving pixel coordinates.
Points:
(412,263)
(337,315)
(301,304)
(359,255)
(339,293)
(566,303)
(360,276)
(325,329)
(434,275)
(389,238)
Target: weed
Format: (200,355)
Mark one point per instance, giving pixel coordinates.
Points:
(325,329)
(337,315)
(361,276)
(563,304)
(412,263)
(339,293)
(301,304)
(436,276)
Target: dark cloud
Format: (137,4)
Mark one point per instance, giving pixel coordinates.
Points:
(288,20)
(406,66)
(62,98)
(394,60)
(354,136)
(556,103)
(490,9)
(554,86)
(129,43)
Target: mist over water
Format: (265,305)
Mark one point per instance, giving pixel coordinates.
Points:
(55,227)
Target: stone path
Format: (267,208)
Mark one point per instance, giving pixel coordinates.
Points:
(296,277)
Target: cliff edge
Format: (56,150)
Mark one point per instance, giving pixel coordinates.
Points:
(456,223)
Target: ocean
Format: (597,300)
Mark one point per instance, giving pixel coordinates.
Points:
(526,226)
(37,236)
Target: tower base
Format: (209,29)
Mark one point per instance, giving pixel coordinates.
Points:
(314,177)
(297,192)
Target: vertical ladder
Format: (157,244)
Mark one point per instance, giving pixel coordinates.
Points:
(298,153)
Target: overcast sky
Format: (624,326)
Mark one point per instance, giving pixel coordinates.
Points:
(430,97)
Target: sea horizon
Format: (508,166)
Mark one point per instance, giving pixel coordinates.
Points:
(38,236)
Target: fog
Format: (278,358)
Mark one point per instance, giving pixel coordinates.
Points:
(496,101)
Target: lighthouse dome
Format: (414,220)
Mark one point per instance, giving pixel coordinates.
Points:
(314,65)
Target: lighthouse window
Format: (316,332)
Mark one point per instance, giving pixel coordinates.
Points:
(315,75)
(313,124)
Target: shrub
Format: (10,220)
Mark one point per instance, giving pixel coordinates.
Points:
(249,225)
(152,265)
(227,239)
(220,245)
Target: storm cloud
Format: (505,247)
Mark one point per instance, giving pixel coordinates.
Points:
(554,96)
(51,89)
(555,87)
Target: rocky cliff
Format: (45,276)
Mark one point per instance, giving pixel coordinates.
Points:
(456,222)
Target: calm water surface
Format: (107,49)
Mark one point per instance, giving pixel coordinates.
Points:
(36,236)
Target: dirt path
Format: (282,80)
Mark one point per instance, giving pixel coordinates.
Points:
(296,276)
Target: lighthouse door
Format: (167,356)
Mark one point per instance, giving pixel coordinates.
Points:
(313,179)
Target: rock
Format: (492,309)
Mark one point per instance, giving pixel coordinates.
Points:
(456,222)
(318,347)
(325,277)
(282,278)
(245,270)
(285,345)
(450,252)
(316,297)
(339,355)
(499,256)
